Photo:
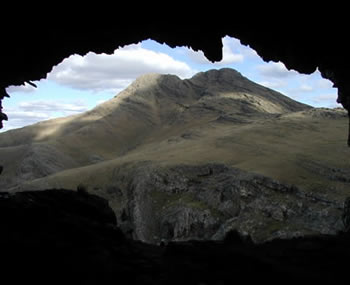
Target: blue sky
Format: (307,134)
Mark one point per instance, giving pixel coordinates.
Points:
(80,83)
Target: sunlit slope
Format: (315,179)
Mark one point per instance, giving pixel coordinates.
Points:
(216,116)
(297,149)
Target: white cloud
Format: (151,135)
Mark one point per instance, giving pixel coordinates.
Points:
(326,100)
(306,88)
(26,88)
(197,56)
(232,52)
(324,83)
(27,115)
(229,53)
(302,89)
(53,106)
(275,70)
(101,101)
(31,112)
(111,72)
(19,118)
(275,84)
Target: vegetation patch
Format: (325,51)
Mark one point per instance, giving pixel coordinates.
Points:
(162,200)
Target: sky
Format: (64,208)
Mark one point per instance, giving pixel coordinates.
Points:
(79,83)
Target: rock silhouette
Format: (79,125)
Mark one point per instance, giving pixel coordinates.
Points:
(59,235)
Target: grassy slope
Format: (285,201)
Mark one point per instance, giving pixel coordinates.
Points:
(275,148)
(172,122)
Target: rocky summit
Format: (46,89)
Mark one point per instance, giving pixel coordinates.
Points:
(194,159)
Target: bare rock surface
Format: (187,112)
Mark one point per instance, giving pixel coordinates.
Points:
(206,202)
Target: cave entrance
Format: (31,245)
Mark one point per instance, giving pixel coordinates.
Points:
(150,133)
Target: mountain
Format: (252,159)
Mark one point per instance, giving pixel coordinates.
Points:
(194,158)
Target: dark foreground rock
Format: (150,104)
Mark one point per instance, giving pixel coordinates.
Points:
(61,237)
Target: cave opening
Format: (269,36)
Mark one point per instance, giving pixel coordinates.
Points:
(43,241)
(287,146)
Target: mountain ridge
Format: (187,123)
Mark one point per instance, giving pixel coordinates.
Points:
(162,129)
(155,80)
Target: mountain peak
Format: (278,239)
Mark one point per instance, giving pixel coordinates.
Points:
(211,75)
(229,81)
(155,78)
(149,76)
(162,99)
(217,75)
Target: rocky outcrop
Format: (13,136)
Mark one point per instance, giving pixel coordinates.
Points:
(60,236)
(207,201)
(46,232)
(36,160)
(326,113)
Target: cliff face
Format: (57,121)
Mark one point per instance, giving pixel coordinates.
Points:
(207,201)
(47,232)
